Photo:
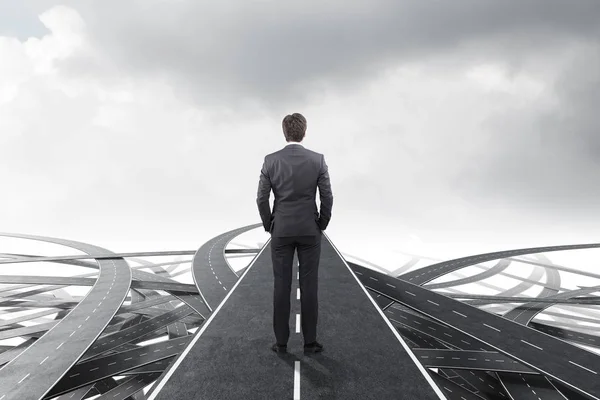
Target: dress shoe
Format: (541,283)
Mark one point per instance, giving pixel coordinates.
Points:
(314,347)
(279,348)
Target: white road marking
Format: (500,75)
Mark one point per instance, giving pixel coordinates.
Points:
(297,380)
(433,302)
(581,366)
(44,360)
(532,345)
(297,323)
(23,378)
(391,285)
(298,294)
(491,327)
(412,294)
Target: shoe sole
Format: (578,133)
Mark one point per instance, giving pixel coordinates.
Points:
(309,350)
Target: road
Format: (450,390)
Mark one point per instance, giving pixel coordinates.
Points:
(574,367)
(211,272)
(38,368)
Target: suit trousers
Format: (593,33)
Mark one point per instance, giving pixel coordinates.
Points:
(282,256)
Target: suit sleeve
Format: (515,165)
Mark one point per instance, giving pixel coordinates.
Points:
(263,195)
(325,194)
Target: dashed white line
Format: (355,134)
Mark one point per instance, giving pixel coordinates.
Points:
(297,380)
(581,366)
(390,285)
(532,345)
(298,294)
(432,302)
(297,323)
(462,315)
(491,327)
(44,360)
(23,378)
(412,294)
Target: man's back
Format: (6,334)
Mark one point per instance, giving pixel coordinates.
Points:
(294,173)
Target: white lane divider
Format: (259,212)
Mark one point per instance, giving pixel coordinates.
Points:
(297,380)
(297,363)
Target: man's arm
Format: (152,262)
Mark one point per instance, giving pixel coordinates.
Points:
(262,197)
(325,194)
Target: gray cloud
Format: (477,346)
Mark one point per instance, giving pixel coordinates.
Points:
(548,163)
(222,53)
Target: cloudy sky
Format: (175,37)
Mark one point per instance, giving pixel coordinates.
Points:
(142,125)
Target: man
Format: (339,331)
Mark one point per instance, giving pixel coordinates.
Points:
(294,173)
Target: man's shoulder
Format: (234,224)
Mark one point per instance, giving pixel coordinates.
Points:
(314,153)
(279,153)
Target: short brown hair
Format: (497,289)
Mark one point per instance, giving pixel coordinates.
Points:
(294,127)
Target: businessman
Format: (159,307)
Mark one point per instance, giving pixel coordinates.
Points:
(294,173)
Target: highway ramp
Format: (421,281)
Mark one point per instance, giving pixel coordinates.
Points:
(230,356)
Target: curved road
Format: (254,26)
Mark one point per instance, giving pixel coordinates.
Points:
(496,269)
(566,363)
(211,272)
(51,356)
(427,274)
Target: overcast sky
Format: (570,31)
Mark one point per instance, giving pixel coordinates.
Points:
(143,125)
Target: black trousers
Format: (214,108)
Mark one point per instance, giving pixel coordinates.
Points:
(282,255)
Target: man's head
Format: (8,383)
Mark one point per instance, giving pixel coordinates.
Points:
(294,127)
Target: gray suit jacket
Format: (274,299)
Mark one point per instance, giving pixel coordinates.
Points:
(294,173)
